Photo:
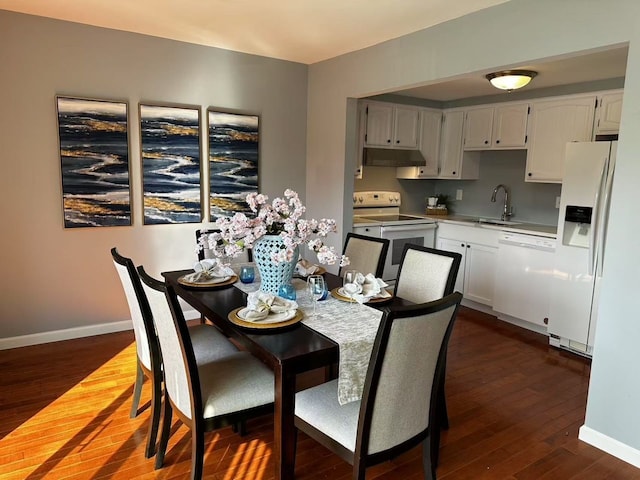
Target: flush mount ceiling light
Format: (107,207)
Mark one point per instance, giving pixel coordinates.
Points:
(511,79)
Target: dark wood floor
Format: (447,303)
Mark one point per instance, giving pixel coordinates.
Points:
(515,406)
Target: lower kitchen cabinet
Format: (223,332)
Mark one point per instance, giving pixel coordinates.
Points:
(479,253)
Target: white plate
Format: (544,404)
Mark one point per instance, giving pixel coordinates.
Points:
(209,281)
(271,318)
(342,293)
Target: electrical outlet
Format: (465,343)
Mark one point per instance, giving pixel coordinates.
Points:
(557,202)
(459,194)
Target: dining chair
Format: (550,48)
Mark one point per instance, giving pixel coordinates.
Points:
(207,340)
(399,404)
(206,394)
(366,254)
(426,274)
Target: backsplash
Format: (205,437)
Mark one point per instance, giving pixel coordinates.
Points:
(532,202)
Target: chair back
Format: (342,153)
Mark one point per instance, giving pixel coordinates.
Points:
(366,254)
(143,329)
(206,252)
(175,345)
(426,274)
(400,393)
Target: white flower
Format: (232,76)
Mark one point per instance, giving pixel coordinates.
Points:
(283,216)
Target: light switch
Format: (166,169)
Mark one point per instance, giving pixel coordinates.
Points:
(557,202)
(459,194)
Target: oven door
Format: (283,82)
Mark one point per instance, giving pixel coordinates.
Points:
(399,235)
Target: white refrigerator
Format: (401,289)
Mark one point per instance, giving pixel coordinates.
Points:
(579,255)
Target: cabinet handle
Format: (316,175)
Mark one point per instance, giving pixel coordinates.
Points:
(546,321)
(486,141)
(462,244)
(468,246)
(397,141)
(497,141)
(453,173)
(529,174)
(389,141)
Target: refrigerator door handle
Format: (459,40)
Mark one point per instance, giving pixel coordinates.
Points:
(595,224)
(604,217)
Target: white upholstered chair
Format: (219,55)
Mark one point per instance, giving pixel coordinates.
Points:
(205,393)
(399,404)
(366,254)
(208,343)
(426,274)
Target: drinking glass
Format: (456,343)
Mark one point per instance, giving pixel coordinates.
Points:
(247,274)
(287,291)
(317,288)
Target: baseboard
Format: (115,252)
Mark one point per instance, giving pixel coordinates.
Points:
(610,445)
(76,332)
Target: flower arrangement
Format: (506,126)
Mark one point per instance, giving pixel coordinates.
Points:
(283,217)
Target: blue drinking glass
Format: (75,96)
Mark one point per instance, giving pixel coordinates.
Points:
(287,291)
(247,274)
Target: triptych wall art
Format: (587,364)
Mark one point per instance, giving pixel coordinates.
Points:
(94,154)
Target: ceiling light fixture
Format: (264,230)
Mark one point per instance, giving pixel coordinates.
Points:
(511,79)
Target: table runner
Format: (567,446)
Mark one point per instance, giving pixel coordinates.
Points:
(352,326)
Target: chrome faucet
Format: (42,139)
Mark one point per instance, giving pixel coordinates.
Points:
(506,212)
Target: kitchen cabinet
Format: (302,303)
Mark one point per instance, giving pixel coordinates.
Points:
(608,113)
(430,129)
(553,124)
(454,163)
(496,127)
(362,130)
(373,231)
(478,126)
(479,248)
(391,126)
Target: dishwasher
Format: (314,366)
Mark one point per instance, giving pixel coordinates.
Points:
(523,276)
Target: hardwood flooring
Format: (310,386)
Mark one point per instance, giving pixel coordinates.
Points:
(515,408)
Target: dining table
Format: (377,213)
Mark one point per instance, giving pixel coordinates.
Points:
(287,351)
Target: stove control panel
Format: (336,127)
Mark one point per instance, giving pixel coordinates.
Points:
(376,199)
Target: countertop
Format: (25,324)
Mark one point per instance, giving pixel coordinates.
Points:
(530,228)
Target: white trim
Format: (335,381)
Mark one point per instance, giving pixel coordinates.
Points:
(610,445)
(76,332)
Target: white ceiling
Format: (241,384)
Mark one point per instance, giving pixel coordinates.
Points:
(308,31)
(305,31)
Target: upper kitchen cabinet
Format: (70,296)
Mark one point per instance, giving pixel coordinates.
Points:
(496,127)
(553,124)
(430,129)
(478,126)
(392,126)
(362,130)
(454,163)
(608,113)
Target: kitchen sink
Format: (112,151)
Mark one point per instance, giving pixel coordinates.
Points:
(492,221)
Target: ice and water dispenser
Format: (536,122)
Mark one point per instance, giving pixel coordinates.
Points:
(577,225)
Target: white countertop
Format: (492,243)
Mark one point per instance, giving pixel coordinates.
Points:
(530,228)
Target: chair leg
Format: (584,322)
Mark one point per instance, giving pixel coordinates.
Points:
(156,407)
(443,414)
(428,464)
(197,449)
(166,430)
(137,390)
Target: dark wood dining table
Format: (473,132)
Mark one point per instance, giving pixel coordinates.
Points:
(287,352)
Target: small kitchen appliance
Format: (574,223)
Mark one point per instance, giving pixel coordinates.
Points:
(377,214)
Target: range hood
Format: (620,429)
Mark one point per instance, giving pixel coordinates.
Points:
(383,157)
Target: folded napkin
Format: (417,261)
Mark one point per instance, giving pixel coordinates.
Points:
(304,268)
(260,304)
(208,270)
(370,288)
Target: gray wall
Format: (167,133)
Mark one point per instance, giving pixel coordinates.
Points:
(54,278)
(532,202)
(476,43)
